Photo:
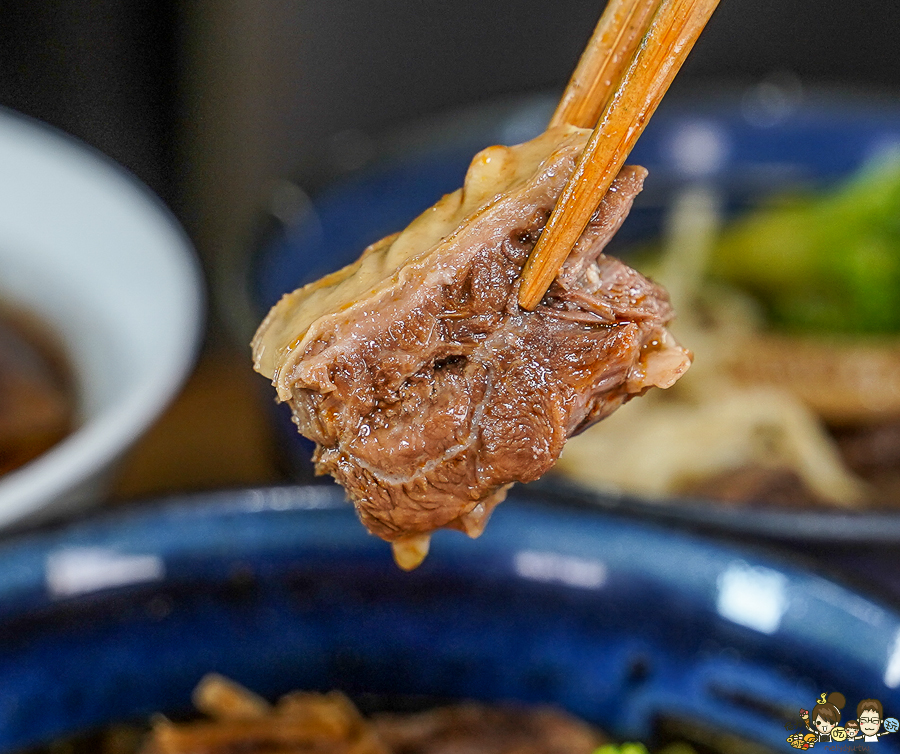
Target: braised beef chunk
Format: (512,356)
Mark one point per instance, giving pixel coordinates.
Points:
(430,391)
(480,729)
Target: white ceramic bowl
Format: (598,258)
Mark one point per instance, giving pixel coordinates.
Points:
(90,250)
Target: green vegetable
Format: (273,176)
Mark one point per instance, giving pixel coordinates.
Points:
(627,748)
(634,748)
(827,262)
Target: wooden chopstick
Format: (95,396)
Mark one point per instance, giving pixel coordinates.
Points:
(605,57)
(672,33)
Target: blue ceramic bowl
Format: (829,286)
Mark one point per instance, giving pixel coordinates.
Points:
(742,143)
(625,624)
(739,142)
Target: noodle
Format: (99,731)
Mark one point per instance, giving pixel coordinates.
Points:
(715,421)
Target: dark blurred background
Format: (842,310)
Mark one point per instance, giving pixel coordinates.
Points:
(212,102)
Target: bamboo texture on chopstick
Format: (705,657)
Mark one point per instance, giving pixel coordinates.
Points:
(662,51)
(604,60)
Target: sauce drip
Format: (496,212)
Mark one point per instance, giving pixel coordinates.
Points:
(37,392)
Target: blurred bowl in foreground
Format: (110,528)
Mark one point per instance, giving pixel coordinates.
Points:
(634,628)
(95,256)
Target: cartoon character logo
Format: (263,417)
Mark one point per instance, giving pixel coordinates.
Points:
(824,722)
(870,715)
(851,728)
(825,717)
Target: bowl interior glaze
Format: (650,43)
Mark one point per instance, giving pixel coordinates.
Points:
(623,623)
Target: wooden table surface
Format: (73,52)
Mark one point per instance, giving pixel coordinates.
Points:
(215,434)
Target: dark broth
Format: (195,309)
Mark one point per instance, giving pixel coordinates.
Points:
(37,392)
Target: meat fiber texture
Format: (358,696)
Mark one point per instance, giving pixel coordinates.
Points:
(426,388)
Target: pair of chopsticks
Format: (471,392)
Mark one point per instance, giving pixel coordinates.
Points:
(628,65)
